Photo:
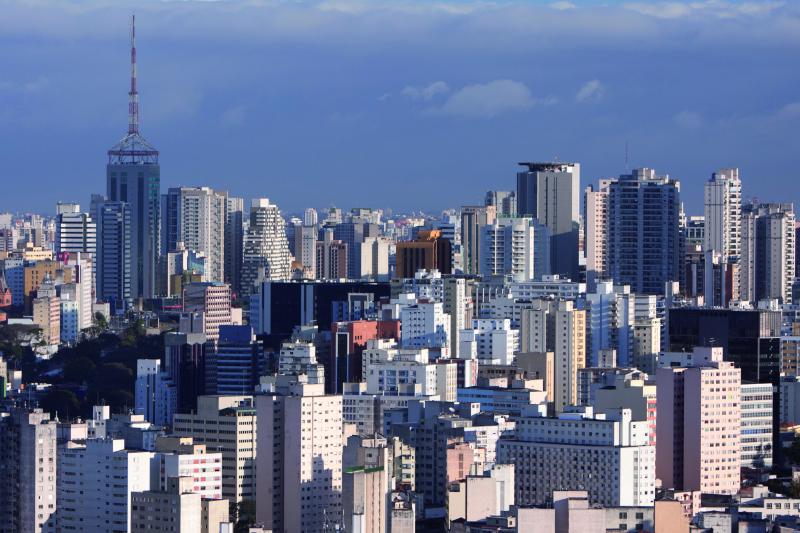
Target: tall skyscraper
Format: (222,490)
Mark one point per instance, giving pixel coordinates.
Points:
(723,213)
(698,427)
(114,266)
(595,219)
(133,176)
(266,250)
(196,217)
(643,230)
(234,241)
(768,252)
(550,192)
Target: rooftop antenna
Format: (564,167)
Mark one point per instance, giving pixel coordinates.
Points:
(133,95)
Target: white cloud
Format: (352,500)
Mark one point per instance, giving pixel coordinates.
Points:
(688,119)
(234,116)
(591,91)
(791,110)
(384,97)
(563,5)
(426,93)
(715,8)
(29,86)
(489,99)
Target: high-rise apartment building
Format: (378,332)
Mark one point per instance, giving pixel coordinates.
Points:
(610,317)
(516,247)
(28,459)
(472,218)
(331,257)
(95,483)
(266,250)
(699,418)
(595,220)
(768,252)
(368,480)
(227,424)
(550,193)
(558,327)
(196,216)
(723,217)
(300,446)
(133,176)
(644,247)
(757,425)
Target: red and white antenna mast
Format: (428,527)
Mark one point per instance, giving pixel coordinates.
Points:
(133,95)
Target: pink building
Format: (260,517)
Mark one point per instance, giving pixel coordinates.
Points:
(210,301)
(699,416)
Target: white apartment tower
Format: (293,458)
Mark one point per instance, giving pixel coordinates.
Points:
(768,252)
(199,219)
(723,213)
(518,247)
(266,250)
(95,483)
(595,220)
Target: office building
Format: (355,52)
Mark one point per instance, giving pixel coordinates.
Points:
(608,455)
(226,424)
(186,365)
(699,424)
(756,427)
(133,176)
(550,193)
(266,250)
(76,232)
(155,394)
(234,241)
(429,251)
(28,493)
(114,276)
(644,247)
(236,361)
(768,252)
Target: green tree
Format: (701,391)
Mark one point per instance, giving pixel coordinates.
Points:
(62,402)
(79,369)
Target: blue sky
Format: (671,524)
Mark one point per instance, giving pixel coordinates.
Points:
(409,105)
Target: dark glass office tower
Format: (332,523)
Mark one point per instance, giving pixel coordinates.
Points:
(133,176)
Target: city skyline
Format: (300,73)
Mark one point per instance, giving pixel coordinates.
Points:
(272,107)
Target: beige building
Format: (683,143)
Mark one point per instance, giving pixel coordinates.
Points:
(699,417)
(47,316)
(177,509)
(367,483)
(556,326)
(300,443)
(28,491)
(227,424)
(213,300)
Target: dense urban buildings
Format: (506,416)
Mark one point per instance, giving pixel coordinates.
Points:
(626,359)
